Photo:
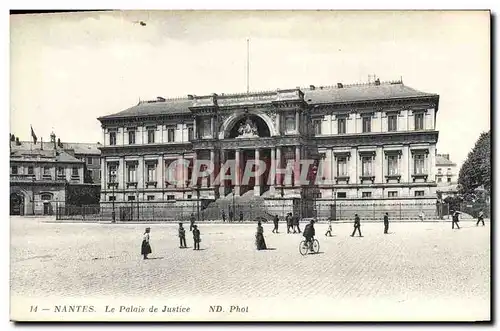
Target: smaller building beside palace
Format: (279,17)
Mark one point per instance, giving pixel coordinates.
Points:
(42,174)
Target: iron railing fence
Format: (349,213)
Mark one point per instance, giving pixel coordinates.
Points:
(236,212)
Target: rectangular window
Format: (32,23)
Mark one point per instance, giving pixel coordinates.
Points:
(131,198)
(341,125)
(170,135)
(419,193)
(392,194)
(189,196)
(341,167)
(151,172)
(366,194)
(14,170)
(366,163)
(89,160)
(46,171)
(419,121)
(31,170)
(112,198)
(74,172)
(170,197)
(151,197)
(439,171)
(392,165)
(341,195)
(131,136)
(112,168)
(367,124)
(439,180)
(89,173)
(290,123)
(60,172)
(112,138)
(190,133)
(419,164)
(392,122)
(449,179)
(132,173)
(151,135)
(317,127)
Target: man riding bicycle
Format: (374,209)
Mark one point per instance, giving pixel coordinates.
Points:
(309,233)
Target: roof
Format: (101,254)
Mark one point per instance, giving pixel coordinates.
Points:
(316,95)
(83,148)
(43,155)
(361,92)
(442,161)
(172,106)
(78,148)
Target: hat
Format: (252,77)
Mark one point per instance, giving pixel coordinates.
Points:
(180,223)
(148,228)
(195,226)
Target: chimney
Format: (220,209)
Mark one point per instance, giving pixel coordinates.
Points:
(190,97)
(377,81)
(312,87)
(340,85)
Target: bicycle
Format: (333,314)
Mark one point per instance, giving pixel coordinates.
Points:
(312,246)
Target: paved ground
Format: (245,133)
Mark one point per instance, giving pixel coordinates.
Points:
(418,262)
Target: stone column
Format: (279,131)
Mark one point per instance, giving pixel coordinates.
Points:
(297,121)
(256,188)
(277,164)
(278,123)
(195,128)
(222,184)
(296,168)
(212,165)
(212,131)
(237,172)
(272,172)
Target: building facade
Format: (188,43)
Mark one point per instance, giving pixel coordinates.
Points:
(38,178)
(90,154)
(371,142)
(446,170)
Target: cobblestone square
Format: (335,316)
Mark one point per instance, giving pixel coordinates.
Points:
(426,264)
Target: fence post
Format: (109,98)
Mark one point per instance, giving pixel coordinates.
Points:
(400,215)
(374,206)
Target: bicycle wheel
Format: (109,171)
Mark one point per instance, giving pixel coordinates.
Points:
(316,246)
(303,247)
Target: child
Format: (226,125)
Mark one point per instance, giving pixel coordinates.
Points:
(329,231)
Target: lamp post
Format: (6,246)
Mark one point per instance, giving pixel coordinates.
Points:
(234,211)
(198,202)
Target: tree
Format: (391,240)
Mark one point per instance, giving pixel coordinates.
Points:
(476,170)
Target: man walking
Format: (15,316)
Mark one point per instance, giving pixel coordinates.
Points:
(196,238)
(231,215)
(275,220)
(296,223)
(357,225)
(223,216)
(386,223)
(241,216)
(455,220)
(182,236)
(480,218)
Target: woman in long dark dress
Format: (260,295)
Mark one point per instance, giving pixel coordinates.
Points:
(146,247)
(259,237)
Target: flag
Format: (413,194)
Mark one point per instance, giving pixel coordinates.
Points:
(33,135)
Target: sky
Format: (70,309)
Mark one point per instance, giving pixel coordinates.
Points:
(68,69)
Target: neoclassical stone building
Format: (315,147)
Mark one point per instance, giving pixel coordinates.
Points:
(369,142)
